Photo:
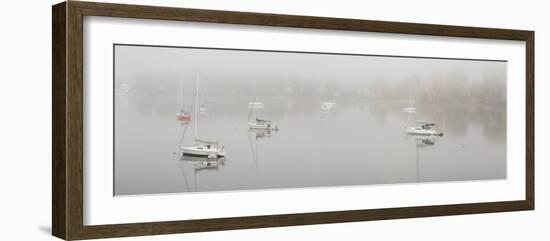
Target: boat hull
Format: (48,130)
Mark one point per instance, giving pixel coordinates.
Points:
(252,125)
(202,152)
(257,126)
(183,118)
(255,105)
(423,132)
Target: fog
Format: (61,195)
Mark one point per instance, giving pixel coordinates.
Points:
(233,72)
(358,142)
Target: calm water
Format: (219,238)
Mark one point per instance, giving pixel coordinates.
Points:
(360,142)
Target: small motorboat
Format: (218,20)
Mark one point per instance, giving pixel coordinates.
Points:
(423,128)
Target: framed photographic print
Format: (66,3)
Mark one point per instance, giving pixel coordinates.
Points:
(170,120)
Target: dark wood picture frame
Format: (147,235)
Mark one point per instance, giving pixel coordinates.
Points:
(67,123)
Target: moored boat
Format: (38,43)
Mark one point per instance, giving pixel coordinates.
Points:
(183,116)
(210,150)
(255,104)
(261,125)
(202,148)
(423,128)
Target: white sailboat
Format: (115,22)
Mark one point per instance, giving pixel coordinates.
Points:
(204,148)
(257,123)
(260,124)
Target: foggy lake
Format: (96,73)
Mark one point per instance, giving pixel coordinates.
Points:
(358,141)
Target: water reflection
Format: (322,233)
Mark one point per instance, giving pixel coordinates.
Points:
(340,126)
(420,143)
(254,137)
(192,167)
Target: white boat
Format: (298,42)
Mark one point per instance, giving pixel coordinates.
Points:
(256,105)
(258,124)
(203,148)
(409,110)
(261,125)
(328,105)
(423,128)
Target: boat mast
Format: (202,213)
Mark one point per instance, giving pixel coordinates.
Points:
(255,90)
(182,92)
(252,105)
(196,105)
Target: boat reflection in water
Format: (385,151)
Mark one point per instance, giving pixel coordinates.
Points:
(192,167)
(263,133)
(203,163)
(258,134)
(421,142)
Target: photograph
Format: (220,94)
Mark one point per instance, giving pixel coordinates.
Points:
(196,119)
(179,120)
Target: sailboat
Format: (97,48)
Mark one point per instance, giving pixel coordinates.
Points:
(204,148)
(421,128)
(183,116)
(260,124)
(257,123)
